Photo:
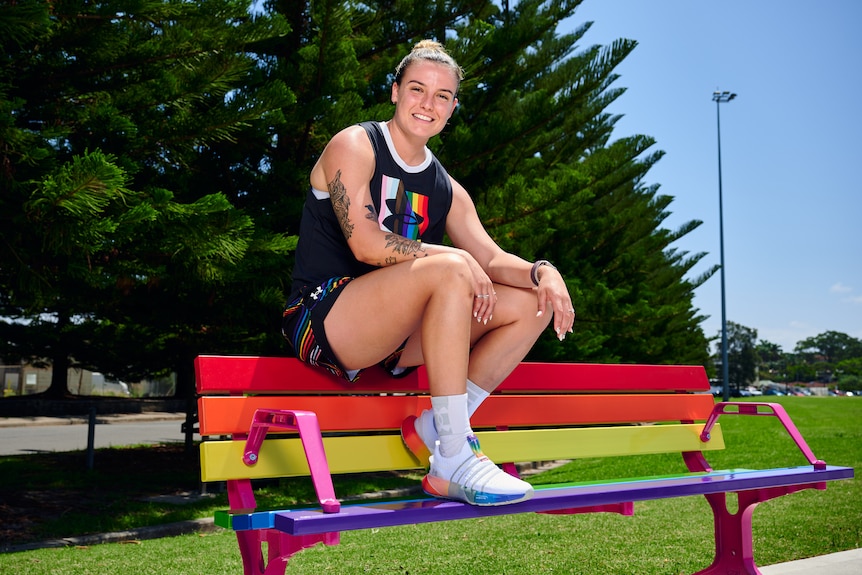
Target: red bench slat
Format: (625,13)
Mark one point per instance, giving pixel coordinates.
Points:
(286,375)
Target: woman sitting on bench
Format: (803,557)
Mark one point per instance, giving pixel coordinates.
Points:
(373,283)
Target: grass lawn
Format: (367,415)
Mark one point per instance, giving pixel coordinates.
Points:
(665,537)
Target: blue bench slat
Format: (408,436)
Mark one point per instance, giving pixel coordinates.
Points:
(372,515)
(247,520)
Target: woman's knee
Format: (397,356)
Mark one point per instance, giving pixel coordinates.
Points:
(522,305)
(449,271)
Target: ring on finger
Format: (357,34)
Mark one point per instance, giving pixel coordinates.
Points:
(483,296)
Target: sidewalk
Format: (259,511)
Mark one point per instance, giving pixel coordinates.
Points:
(21,435)
(843,563)
(102,418)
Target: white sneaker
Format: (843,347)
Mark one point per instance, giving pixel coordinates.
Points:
(471,477)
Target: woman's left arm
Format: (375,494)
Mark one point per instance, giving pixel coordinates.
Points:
(467,232)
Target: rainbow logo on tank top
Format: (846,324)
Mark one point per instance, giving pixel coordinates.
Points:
(402,212)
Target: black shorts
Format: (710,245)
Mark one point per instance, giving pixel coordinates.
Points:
(302,327)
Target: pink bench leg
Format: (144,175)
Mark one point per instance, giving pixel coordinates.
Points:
(280,546)
(241,496)
(734,548)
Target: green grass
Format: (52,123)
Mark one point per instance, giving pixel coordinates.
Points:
(52,495)
(665,537)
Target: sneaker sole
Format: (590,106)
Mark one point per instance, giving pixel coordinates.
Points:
(442,489)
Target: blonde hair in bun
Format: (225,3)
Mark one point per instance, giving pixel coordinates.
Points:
(431,51)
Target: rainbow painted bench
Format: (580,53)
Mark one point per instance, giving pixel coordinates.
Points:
(270,417)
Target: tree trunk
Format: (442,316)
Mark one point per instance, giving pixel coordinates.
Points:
(59,388)
(60,362)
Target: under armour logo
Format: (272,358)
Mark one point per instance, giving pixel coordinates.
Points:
(316,293)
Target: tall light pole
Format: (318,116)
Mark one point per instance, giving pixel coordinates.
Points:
(720,98)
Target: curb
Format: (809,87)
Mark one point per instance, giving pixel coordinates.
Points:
(205,525)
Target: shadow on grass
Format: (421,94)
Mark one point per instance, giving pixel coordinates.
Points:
(53,496)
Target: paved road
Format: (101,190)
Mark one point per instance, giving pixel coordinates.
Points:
(72,435)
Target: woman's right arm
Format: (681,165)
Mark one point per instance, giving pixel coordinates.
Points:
(345,170)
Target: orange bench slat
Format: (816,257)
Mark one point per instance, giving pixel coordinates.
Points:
(232,415)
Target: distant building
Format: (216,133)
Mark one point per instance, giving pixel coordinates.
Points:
(25,379)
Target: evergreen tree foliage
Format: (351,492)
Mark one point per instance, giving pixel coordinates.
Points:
(155,158)
(113,257)
(530,140)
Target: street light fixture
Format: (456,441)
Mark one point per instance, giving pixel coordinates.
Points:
(721,98)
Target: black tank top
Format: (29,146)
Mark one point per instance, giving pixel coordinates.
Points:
(411,201)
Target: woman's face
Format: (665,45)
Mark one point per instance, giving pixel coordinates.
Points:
(425,98)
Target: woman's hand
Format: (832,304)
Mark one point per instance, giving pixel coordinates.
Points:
(553,296)
(484,298)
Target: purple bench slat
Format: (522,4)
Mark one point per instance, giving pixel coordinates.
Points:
(365,516)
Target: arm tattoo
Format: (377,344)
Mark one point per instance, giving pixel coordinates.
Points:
(341,204)
(403,246)
(372,213)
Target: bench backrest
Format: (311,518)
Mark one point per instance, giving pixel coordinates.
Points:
(556,411)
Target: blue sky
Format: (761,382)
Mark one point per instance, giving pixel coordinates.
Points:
(791,147)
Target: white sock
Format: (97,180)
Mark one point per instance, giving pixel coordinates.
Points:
(475,396)
(451,421)
(425,425)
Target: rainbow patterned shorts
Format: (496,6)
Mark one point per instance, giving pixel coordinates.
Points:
(302,325)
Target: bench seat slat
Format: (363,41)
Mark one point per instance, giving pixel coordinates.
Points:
(286,375)
(232,415)
(364,516)
(619,378)
(222,460)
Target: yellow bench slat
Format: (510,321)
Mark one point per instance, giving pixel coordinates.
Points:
(222,460)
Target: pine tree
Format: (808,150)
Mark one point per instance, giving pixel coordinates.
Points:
(112,257)
(530,140)
(155,158)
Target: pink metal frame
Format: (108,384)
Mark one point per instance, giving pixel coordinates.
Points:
(281,546)
(734,548)
(305,422)
(753,408)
